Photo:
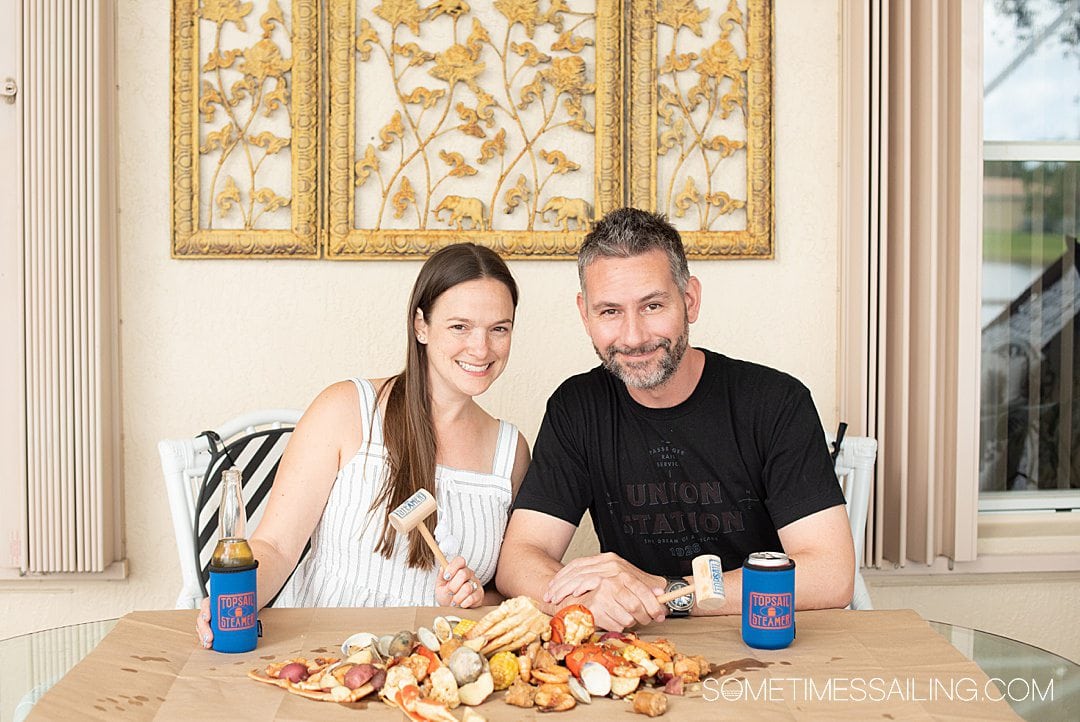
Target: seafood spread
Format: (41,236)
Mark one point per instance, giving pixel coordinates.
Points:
(550,663)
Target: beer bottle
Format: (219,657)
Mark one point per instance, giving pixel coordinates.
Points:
(232,549)
(233,568)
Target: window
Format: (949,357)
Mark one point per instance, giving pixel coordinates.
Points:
(1030,313)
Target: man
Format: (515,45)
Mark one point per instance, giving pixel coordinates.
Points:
(675,451)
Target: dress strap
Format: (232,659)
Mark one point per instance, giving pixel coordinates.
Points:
(369,411)
(505,450)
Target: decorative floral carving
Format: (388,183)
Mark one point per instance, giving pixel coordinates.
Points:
(691,120)
(458,64)
(682,14)
(401,12)
(366,165)
(404,197)
(495,99)
(520,11)
(235,64)
(239,88)
(226,11)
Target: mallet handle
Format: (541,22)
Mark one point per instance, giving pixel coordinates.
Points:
(675,594)
(439,556)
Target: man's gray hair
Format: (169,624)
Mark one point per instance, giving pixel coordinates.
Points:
(629,232)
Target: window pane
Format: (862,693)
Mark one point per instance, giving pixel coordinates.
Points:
(1030,403)
(1031,70)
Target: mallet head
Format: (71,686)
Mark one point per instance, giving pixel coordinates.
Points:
(413,511)
(708,582)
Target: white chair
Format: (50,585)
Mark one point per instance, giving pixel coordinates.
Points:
(855,470)
(184,463)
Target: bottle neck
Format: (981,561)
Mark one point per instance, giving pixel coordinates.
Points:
(232,517)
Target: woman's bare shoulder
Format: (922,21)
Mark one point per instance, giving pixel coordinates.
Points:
(336,399)
(333,418)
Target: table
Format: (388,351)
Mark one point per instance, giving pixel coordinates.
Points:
(34,662)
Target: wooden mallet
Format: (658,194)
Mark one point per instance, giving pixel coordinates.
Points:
(708,589)
(411,514)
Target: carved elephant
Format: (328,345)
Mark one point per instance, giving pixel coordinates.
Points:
(462,208)
(566,210)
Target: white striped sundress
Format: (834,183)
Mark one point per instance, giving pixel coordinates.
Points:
(343,570)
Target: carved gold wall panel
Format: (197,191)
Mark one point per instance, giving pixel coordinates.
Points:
(499,119)
(245,128)
(505,122)
(701,122)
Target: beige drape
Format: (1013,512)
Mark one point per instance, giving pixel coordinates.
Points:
(911,251)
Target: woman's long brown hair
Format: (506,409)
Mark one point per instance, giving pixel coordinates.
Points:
(408,429)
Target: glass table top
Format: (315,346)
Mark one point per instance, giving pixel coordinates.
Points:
(1038,684)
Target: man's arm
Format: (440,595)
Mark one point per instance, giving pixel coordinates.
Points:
(531,552)
(824,555)
(613,590)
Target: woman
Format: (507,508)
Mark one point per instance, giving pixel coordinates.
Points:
(364,446)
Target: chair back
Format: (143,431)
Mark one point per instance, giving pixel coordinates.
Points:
(855,472)
(257,455)
(185,462)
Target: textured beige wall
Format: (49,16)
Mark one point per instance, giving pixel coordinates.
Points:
(204,340)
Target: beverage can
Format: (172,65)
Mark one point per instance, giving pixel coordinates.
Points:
(768,600)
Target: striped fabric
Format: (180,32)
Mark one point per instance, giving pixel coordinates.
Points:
(343,569)
(258,455)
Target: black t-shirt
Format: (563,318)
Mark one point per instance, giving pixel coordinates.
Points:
(743,456)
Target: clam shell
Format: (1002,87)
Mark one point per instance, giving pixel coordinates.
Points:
(443,629)
(358,641)
(596,678)
(402,643)
(383,644)
(428,639)
(580,693)
(467,665)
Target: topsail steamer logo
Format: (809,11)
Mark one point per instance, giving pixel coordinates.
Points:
(236,611)
(770,611)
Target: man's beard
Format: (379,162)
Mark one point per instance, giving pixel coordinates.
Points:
(646,374)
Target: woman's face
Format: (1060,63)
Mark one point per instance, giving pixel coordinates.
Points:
(467,334)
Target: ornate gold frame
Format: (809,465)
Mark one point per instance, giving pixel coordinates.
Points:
(346,241)
(626,140)
(188,239)
(756,241)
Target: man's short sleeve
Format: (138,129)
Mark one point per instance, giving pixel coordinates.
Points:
(557,482)
(798,473)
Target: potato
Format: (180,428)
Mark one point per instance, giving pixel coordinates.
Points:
(358,676)
(476,692)
(294,672)
(622,686)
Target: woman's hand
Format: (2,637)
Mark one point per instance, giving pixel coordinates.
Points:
(202,624)
(458,586)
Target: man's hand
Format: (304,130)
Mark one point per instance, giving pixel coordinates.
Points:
(619,594)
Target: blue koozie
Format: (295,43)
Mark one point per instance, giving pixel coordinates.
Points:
(233,608)
(768,600)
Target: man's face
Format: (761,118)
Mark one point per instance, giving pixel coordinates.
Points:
(637,319)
